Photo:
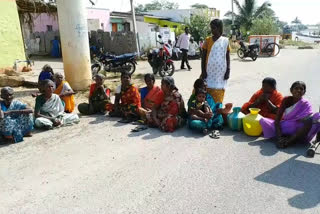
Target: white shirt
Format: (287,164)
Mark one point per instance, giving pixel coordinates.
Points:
(183,41)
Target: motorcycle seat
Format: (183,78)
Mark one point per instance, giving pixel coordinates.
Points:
(125,56)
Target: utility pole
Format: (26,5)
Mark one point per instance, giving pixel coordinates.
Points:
(73,29)
(232,12)
(134,26)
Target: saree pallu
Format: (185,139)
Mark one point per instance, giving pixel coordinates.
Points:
(292,121)
(153,97)
(68,100)
(16,125)
(216,122)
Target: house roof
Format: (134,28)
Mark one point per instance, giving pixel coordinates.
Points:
(35,6)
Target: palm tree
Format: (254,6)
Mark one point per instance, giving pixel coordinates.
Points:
(249,11)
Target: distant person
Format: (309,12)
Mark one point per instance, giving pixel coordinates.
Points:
(65,92)
(216,61)
(183,44)
(267,99)
(55,51)
(193,47)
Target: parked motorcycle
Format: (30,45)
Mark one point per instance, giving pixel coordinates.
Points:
(250,51)
(112,63)
(160,60)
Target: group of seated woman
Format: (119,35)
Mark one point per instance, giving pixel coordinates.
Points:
(290,119)
(17,121)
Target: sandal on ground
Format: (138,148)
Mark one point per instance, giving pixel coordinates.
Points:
(139,129)
(124,120)
(215,134)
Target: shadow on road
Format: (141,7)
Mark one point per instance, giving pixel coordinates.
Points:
(298,175)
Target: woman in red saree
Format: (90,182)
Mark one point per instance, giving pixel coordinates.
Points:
(151,96)
(267,99)
(128,101)
(171,113)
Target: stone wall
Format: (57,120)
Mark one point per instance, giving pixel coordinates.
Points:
(40,42)
(122,42)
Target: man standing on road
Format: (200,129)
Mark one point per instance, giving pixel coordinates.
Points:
(183,44)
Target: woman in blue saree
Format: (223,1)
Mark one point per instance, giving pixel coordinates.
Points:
(16,120)
(215,119)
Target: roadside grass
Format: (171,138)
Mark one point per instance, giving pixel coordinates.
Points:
(299,44)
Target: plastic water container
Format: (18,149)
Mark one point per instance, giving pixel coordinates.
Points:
(235,119)
(251,125)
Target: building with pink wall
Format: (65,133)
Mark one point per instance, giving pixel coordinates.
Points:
(43,22)
(100,15)
(97,19)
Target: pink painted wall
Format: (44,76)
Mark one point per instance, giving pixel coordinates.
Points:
(41,21)
(102,14)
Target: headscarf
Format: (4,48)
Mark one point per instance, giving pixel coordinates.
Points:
(170,82)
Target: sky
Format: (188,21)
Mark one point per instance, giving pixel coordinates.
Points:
(308,11)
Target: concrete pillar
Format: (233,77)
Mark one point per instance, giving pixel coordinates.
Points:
(73,29)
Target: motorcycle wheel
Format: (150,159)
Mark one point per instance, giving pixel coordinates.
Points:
(167,72)
(254,57)
(240,53)
(130,67)
(95,68)
(154,70)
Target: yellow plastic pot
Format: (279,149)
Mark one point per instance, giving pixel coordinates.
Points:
(251,125)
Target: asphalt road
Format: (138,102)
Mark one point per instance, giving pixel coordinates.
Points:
(99,166)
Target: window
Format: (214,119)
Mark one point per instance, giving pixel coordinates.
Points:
(49,27)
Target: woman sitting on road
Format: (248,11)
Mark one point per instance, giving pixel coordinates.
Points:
(215,119)
(151,95)
(49,110)
(64,90)
(46,73)
(295,120)
(99,98)
(171,113)
(128,101)
(267,99)
(16,120)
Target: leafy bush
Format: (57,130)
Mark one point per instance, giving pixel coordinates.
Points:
(264,26)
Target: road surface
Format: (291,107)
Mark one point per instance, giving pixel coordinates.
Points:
(99,166)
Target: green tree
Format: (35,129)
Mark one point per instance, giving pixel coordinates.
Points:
(156,5)
(248,12)
(199,26)
(264,26)
(199,6)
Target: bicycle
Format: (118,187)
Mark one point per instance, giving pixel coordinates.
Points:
(270,48)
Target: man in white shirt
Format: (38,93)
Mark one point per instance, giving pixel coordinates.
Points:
(193,47)
(183,44)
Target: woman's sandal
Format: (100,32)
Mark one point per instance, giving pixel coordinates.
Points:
(215,134)
(139,129)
